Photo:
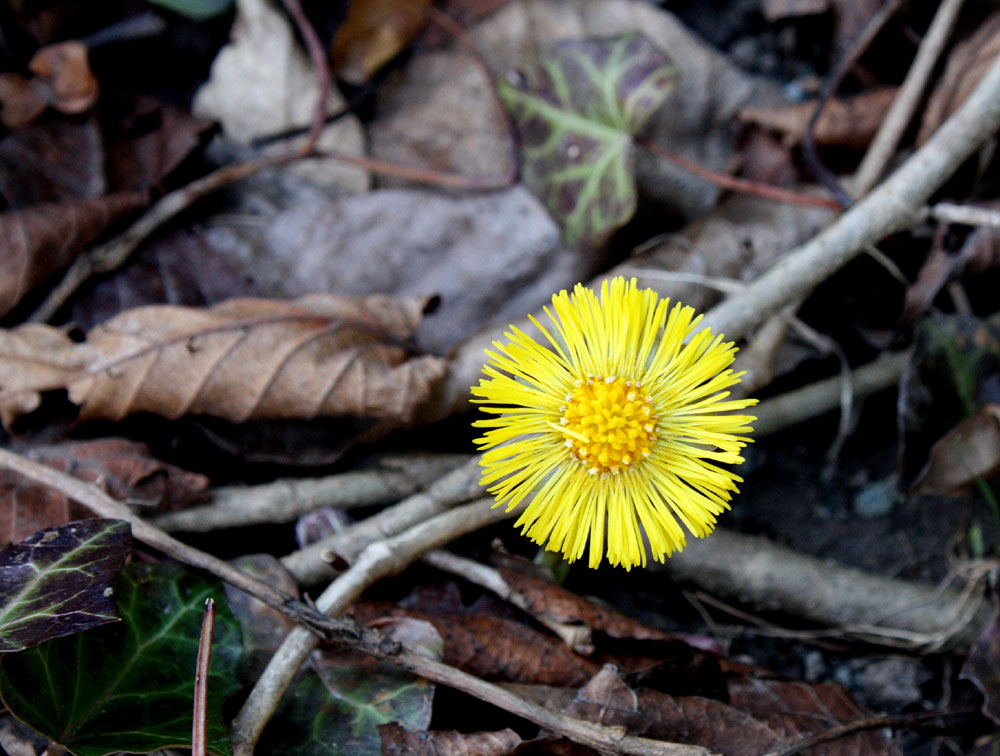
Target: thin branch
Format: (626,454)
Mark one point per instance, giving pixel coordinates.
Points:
(313,564)
(733,183)
(391,479)
(891,207)
(887,138)
(831,85)
(967,215)
(198,722)
(895,721)
(317,55)
(98,502)
(345,631)
(378,560)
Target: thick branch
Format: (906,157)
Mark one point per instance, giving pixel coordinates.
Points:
(287,500)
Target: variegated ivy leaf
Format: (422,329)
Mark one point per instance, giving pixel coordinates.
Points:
(576,112)
(58,581)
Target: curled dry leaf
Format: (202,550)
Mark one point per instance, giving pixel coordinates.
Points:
(971,450)
(851,122)
(63,79)
(123,468)
(243,359)
(967,65)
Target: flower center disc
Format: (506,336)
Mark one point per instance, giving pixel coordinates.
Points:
(608,423)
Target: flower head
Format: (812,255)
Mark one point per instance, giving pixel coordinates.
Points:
(620,421)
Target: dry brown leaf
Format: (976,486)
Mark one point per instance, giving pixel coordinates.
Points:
(121,467)
(63,79)
(851,122)
(970,450)
(65,70)
(493,648)
(546,600)
(243,359)
(42,239)
(374,32)
(967,65)
(20,101)
(764,715)
(396,741)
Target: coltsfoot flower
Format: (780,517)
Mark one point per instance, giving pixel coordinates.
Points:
(619,425)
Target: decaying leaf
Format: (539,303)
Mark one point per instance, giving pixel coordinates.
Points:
(495,648)
(127,686)
(374,32)
(763,715)
(243,359)
(58,581)
(123,468)
(851,122)
(952,372)
(982,667)
(336,705)
(42,239)
(262,84)
(967,65)
(399,742)
(576,112)
(63,79)
(969,451)
(979,251)
(67,180)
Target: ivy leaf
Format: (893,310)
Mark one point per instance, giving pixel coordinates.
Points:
(58,581)
(335,706)
(128,686)
(576,113)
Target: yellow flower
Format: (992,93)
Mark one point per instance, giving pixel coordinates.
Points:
(618,422)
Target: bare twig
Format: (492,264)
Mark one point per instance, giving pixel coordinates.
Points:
(830,87)
(849,601)
(891,207)
(905,103)
(103,505)
(817,398)
(378,560)
(286,500)
(346,631)
(442,179)
(967,215)
(736,184)
(113,254)
(198,721)
(317,55)
(313,563)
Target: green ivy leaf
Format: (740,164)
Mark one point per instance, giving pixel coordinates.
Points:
(576,113)
(197,10)
(335,706)
(58,581)
(129,686)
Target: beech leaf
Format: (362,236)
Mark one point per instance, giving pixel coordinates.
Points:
(576,113)
(58,581)
(320,355)
(127,687)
